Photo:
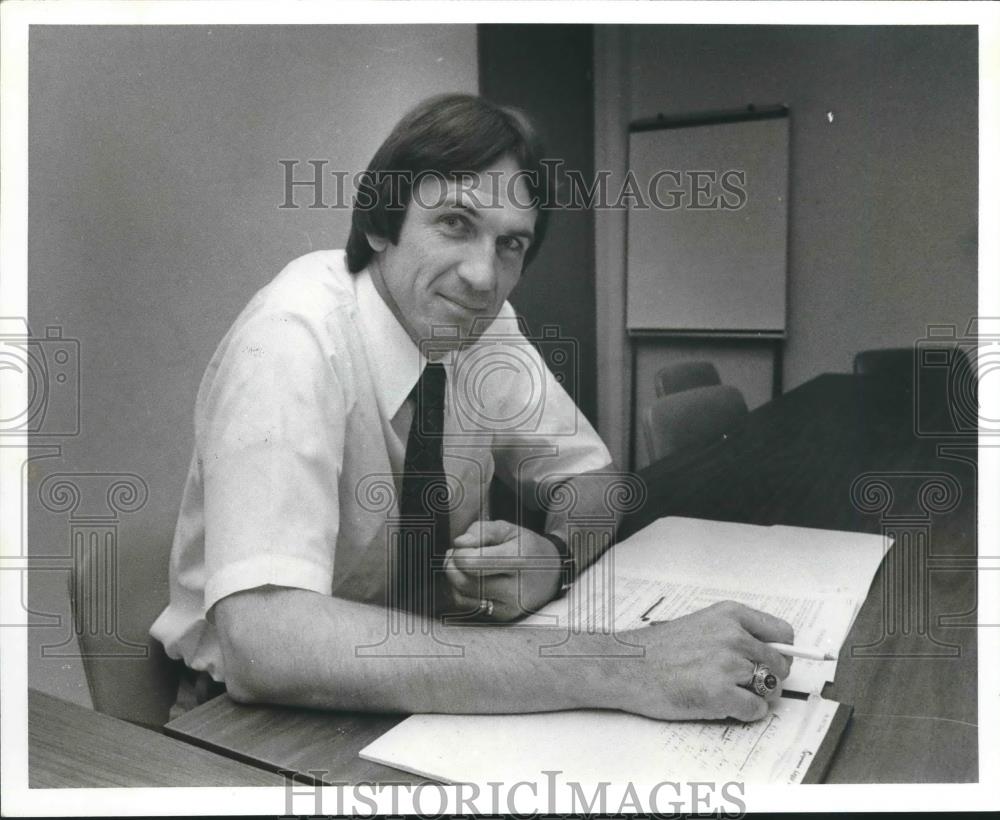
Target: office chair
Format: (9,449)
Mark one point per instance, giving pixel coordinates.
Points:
(889,361)
(958,360)
(691,418)
(115,595)
(936,374)
(684,375)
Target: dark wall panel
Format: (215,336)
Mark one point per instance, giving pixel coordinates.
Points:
(547,72)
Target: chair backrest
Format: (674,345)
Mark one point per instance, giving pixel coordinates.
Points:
(685,375)
(959,362)
(692,418)
(941,377)
(116,594)
(890,361)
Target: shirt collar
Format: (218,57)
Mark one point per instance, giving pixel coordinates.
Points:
(396,361)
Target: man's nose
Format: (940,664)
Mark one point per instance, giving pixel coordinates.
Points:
(478,268)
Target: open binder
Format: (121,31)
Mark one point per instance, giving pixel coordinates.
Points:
(816,579)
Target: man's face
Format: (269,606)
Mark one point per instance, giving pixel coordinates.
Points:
(460,252)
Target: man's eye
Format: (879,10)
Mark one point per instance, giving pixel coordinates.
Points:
(511,244)
(453,222)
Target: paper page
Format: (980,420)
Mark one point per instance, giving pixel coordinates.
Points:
(815,579)
(821,621)
(798,560)
(590,746)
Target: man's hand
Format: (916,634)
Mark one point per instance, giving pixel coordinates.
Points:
(517,569)
(695,666)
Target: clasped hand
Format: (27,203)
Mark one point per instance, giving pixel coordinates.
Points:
(515,568)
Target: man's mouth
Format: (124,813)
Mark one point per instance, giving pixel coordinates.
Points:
(471,307)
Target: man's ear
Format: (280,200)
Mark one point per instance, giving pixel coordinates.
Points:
(377,243)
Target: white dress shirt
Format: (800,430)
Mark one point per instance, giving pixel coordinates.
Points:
(301,424)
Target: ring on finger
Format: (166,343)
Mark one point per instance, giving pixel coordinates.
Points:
(763,681)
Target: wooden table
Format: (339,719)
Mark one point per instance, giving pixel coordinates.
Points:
(909,664)
(73,747)
(321,746)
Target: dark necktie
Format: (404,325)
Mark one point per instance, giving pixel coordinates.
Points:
(424,533)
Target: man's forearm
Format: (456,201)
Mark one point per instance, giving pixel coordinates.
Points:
(301,648)
(304,649)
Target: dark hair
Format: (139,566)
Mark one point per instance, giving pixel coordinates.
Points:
(448,135)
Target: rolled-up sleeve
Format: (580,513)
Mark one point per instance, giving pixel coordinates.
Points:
(541,432)
(271,439)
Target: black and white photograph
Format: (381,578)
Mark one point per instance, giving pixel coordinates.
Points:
(499,408)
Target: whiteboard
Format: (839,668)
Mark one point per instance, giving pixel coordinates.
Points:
(701,256)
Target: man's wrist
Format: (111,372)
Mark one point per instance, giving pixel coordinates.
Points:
(568,568)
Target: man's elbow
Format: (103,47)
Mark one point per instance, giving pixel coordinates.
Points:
(244,682)
(242,690)
(251,675)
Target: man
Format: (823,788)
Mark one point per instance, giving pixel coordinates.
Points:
(347,431)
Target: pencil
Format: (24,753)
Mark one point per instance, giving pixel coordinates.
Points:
(807,652)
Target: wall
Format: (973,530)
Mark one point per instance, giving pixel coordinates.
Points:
(547,72)
(883,200)
(154,191)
